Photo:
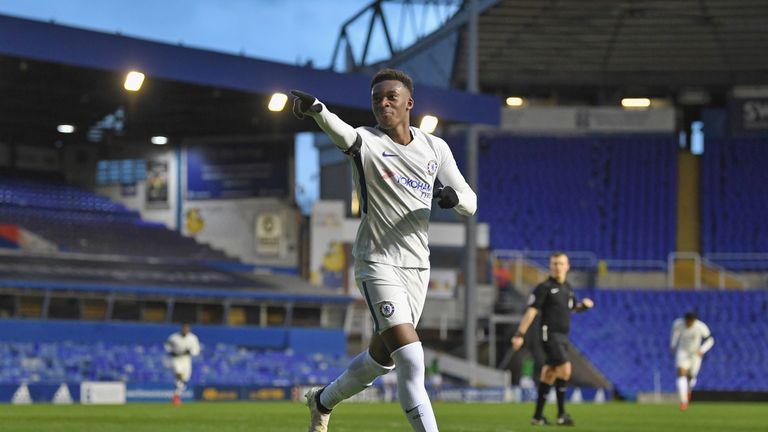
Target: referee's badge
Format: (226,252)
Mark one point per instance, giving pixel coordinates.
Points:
(387,309)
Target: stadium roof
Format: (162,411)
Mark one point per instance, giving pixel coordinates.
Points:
(604,49)
(52,74)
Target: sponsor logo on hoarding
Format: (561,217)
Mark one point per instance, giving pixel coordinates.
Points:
(214,394)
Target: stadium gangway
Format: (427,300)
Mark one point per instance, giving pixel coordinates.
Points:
(700,268)
(740,261)
(492,321)
(474,373)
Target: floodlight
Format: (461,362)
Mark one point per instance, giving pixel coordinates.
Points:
(428,123)
(133,81)
(635,102)
(278,101)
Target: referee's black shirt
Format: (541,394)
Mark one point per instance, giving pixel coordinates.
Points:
(554,302)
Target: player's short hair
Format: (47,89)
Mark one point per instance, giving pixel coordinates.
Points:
(395,75)
(556,254)
(690,316)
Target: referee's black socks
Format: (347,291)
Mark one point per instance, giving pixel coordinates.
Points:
(541,399)
(560,386)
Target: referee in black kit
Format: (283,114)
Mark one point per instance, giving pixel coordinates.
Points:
(555,300)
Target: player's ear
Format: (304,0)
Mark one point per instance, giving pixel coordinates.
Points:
(409,104)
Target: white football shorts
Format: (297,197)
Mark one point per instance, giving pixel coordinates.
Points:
(394,295)
(689,361)
(182,365)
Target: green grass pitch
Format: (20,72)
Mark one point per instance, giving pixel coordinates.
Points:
(452,417)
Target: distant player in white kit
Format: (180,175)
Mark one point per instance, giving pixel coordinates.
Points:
(182,346)
(690,340)
(395,168)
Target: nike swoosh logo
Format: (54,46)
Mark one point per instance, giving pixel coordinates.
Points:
(411,410)
(554,290)
(385,154)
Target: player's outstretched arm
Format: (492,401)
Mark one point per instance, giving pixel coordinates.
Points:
(343,135)
(456,193)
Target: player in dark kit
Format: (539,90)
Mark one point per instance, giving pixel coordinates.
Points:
(555,300)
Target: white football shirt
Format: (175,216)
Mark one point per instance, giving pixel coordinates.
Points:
(695,339)
(395,184)
(179,345)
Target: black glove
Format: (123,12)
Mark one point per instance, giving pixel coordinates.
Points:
(447,197)
(188,352)
(303,102)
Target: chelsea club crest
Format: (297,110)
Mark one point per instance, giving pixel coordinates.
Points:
(387,309)
(432,167)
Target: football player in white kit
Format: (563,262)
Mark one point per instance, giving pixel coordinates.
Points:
(182,346)
(395,168)
(690,340)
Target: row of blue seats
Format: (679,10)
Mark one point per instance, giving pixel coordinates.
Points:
(627,335)
(218,364)
(614,196)
(53,195)
(734,201)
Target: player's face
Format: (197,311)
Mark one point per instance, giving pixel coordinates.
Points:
(391,103)
(184,330)
(559,266)
(689,323)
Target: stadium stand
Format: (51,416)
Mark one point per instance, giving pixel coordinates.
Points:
(220,364)
(613,195)
(53,352)
(627,338)
(609,195)
(76,220)
(734,201)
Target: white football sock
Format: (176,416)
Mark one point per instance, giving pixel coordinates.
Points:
(413,396)
(692,383)
(359,375)
(179,388)
(682,389)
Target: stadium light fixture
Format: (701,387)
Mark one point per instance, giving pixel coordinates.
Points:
(428,123)
(635,102)
(277,102)
(515,101)
(159,140)
(65,128)
(133,81)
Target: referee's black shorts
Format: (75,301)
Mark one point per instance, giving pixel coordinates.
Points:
(557,348)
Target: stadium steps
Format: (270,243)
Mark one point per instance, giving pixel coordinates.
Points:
(474,373)
(716,277)
(685,273)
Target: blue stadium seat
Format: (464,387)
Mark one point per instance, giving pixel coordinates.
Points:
(612,195)
(76,220)
(219,364)
(734,202)
(627,337)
